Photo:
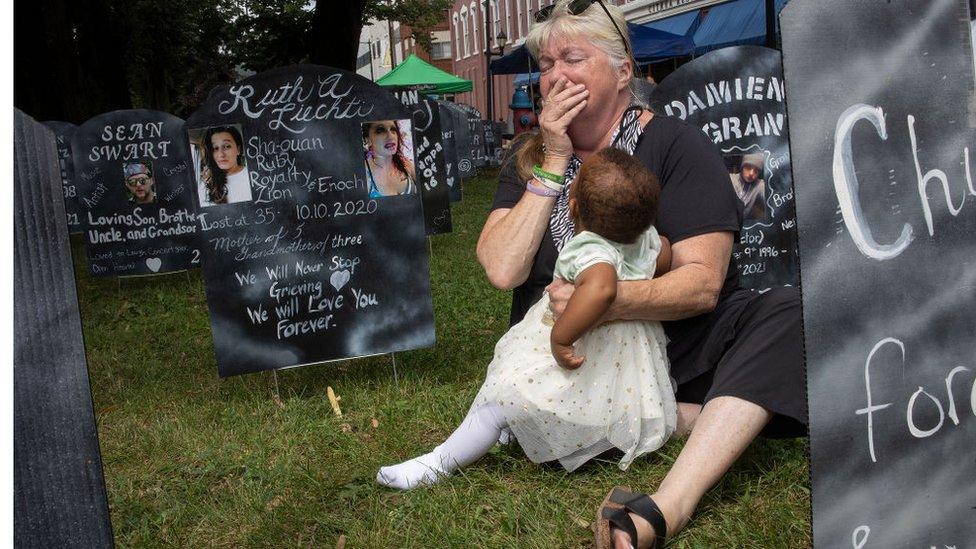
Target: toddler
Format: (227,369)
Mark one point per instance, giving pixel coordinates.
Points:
(572,389)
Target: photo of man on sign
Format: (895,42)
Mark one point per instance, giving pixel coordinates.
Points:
(139,182)
(746,172)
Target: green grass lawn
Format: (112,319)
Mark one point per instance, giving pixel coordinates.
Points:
(192,460)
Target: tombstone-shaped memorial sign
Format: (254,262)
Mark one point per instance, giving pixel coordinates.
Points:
(735,95)
(493,143)
(879,93)
(325,257)
(132,173)
(452,177)
(59,491)
(462,139)
(430,162)
(62,133)
(477,132)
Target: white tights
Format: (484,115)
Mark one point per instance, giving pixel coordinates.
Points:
(481,429)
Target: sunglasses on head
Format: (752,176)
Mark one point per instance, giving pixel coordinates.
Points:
(577,7)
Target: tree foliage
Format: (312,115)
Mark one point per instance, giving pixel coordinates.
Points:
(175,52)
(77,59)
(420,15)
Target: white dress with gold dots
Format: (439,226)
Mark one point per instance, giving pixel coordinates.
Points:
(621,397)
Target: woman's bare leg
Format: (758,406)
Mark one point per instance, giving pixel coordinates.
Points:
(687,414)
(722,431)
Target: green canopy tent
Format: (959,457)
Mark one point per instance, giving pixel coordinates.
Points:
(415,73)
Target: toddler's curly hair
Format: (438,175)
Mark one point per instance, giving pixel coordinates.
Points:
(616,196)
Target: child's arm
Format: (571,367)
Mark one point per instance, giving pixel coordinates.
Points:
(596,288)
(663,258)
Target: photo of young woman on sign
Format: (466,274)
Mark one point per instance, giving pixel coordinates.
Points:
(222,176)
(389,168)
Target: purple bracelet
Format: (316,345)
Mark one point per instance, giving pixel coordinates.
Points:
(545,191)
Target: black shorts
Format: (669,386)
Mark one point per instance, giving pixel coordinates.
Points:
(761,362)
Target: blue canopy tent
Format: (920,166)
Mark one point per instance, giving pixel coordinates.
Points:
(684,24)
(734,24)
(516,62)
(648,45)
(652,44)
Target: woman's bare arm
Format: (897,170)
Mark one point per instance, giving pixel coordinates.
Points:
(510,239)
(692,287)
(663,258)
(511,236)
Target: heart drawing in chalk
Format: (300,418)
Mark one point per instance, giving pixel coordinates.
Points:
(339,279)
(154,263)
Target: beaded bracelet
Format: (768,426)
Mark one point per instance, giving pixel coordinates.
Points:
(543,174)
(543,191)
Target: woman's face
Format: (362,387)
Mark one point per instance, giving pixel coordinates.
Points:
(384,139)
(578,61)
(225,150)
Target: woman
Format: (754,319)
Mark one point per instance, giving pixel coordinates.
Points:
(388,171)
(224,176)
(735,354)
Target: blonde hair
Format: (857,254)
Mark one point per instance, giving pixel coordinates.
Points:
(593,25)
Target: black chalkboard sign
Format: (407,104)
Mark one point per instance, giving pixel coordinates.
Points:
(59,492)
(493,142)
(462,139)
(132,173)
(736,96)
(450,152)
(62,133)
(430,162)
(879,97)
(476,131)
(328,259)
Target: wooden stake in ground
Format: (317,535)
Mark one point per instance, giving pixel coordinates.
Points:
(334,401)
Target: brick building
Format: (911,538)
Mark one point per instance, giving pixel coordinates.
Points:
(467,27)
(514,17)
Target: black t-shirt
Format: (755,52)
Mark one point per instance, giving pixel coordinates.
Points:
(696,198)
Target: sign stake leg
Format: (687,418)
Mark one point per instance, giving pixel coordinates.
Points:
(396,378)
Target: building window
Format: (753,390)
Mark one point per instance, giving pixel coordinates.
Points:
(440,50)
(464,31)
(495,23)
(457,38)
(475,44)
(519,29)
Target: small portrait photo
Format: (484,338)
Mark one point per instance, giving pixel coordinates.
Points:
(140,186)
(748,179)
(218,158)
(388,155)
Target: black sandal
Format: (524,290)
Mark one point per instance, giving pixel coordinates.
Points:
(639,504)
